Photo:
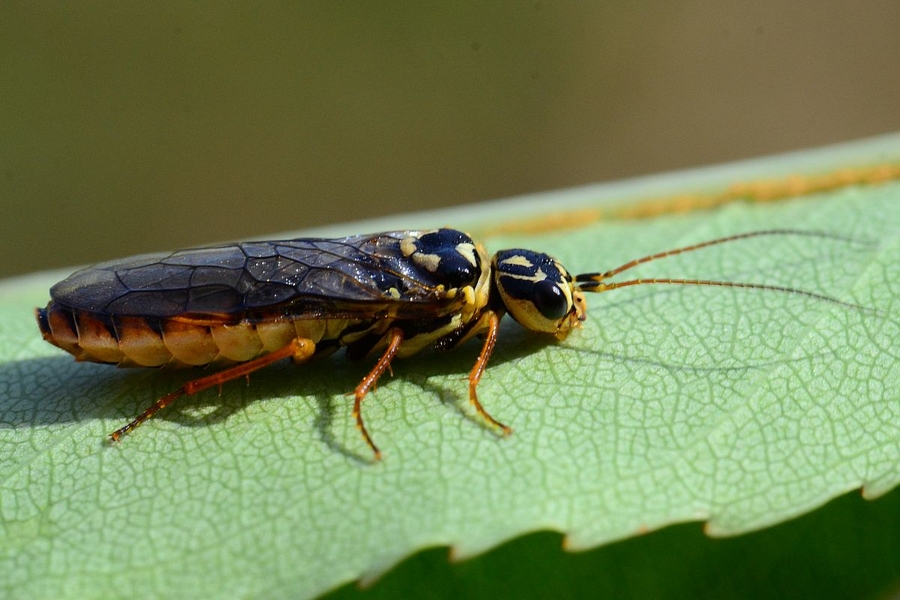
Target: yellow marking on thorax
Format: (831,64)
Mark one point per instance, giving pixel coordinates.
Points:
(429,262)
(467,251)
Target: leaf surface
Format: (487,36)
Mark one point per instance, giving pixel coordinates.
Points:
(741,408)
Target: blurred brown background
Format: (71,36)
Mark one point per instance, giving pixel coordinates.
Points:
(130,127)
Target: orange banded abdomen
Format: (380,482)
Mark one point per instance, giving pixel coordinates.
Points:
(139,342)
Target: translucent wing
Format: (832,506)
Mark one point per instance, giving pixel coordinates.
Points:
(305,277)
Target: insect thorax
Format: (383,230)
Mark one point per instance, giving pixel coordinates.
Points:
(462,267)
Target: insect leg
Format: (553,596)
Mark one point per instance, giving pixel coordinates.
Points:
(493,325)
(300,349)
(384,363)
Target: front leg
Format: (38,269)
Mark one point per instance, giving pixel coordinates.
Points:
(488,326)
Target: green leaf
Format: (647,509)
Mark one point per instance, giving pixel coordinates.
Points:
(740,408)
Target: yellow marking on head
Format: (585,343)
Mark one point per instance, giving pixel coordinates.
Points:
(517,260)
(538,276)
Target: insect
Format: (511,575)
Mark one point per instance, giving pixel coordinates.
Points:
(247,305)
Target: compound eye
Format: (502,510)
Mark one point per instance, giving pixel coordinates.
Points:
(549,299)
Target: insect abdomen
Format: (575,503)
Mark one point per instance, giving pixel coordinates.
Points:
(139,342)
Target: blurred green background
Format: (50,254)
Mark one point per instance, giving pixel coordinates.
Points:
(129,127)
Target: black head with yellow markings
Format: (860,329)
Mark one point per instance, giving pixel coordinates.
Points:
(537,291)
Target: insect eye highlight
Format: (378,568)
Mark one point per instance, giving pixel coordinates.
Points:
(550,300)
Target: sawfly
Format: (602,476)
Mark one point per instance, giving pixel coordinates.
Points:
(388,295)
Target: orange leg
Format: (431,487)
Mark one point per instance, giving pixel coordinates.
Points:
(369,381)
(490,340)
(300,349)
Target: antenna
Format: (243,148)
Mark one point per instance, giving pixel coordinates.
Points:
(595,282)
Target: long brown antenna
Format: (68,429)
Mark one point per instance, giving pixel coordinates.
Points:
(599,286)
(594,282)
(724,240)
